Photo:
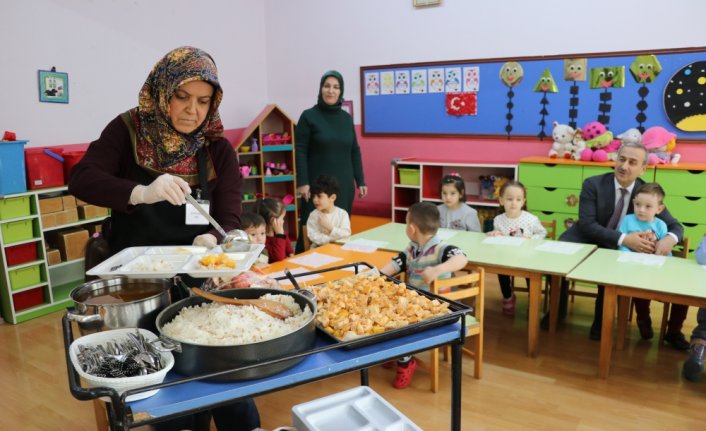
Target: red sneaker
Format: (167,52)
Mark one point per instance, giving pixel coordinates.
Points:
(509,306)
(404,374)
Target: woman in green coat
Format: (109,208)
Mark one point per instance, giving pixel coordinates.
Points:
(326,144)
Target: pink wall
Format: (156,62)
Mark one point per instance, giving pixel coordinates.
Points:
(379,152)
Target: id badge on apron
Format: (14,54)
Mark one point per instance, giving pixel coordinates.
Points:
(193,216)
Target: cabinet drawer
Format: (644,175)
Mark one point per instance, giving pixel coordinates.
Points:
(23,277)
(682,183)
(592,171)
(548,175)
(28,298)
(17,231)
(563,220)
(14,207)
(687,209)
(553,199)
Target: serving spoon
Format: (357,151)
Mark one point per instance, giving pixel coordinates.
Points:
(234,240)
(273,308)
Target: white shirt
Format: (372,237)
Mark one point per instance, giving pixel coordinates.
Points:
(339,220)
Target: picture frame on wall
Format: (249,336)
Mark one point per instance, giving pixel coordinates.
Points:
(424,3)
(347,105)
(53,86)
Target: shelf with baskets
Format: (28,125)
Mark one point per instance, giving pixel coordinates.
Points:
(42,237)
(415,179)
(266,154)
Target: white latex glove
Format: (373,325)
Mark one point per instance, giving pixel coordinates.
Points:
(165,187)
(205,240)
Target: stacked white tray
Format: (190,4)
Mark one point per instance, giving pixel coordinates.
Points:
(168,261)
(357,409)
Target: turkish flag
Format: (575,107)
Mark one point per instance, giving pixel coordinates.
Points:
(461,103)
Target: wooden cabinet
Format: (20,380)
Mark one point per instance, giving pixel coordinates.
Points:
(415,180)
(266,154)
(37,280)
(685,187)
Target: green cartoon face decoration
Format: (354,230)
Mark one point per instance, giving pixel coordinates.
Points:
(608,77)
(511,73)
(645,68)
(546,83)
(575,69)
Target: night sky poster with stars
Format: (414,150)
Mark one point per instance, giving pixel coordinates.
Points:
(520,97)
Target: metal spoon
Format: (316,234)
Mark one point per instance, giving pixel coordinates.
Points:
(234,240)
(273,308)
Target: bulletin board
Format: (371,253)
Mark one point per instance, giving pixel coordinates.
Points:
(521,96)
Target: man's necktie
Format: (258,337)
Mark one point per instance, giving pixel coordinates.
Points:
(613,222)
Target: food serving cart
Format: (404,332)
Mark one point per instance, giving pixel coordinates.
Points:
(179,395)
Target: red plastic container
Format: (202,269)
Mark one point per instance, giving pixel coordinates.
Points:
(19,254)
(45,167)
(70,159)
(28,298)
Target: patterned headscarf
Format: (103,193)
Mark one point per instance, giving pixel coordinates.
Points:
(160,146)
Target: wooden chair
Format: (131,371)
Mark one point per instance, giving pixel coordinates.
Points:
(305,238)
(678,251)
(467,287)
(550,226)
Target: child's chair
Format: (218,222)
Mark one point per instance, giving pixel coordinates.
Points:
(679,251)
(469,286)
(305,238)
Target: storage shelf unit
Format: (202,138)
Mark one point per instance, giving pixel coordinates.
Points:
(276,129)
(29,286)
(415,179)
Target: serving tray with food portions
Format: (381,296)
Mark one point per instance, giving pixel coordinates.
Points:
(168,261)
(369,307)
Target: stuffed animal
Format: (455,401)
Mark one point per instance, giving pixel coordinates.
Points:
(630,136)
(659,143)
(600,145)
(563,145)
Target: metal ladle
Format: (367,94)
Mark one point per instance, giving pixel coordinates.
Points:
(234,240)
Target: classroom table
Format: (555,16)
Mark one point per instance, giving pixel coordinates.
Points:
(523,260)
(678,280)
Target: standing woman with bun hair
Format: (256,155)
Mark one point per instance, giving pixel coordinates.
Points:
(326,144)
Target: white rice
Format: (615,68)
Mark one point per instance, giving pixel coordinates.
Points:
(217,324)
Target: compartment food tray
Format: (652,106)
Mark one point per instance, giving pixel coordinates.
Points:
(357,409)
(168,261)
(456,311)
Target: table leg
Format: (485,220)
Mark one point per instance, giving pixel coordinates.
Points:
(609,299)
(623,310)
(554,299)
(364,379)
(456,376)
(535,296)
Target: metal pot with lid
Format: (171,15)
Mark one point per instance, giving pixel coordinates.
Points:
(119,302)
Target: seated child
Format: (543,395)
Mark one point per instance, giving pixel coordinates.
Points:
(327,223)
(646,205)
(425,259)
(454,213)
(514,221)
(254,225)
(277,244)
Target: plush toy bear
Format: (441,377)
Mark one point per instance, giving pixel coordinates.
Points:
(563,146)
(659,143)
(630,136)
(600,145)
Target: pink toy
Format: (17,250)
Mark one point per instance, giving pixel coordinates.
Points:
(600,145)
(288,199)
(659,143)
(245,171)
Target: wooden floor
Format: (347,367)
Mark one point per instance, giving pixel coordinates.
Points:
(558,390)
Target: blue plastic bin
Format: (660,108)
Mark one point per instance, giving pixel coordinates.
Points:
(12,167)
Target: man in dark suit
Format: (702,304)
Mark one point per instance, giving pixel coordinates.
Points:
(602,206)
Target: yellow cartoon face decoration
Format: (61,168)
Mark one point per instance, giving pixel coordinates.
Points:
(546,83)
(575,69)
(645,68)
(511,73)
(608,77)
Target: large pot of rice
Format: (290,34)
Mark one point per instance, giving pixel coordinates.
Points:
(217,337)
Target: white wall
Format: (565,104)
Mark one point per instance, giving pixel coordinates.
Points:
(109,47)
(306,38)
(274,51)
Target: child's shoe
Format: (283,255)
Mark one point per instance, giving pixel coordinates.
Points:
(404,374)
(509,305)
